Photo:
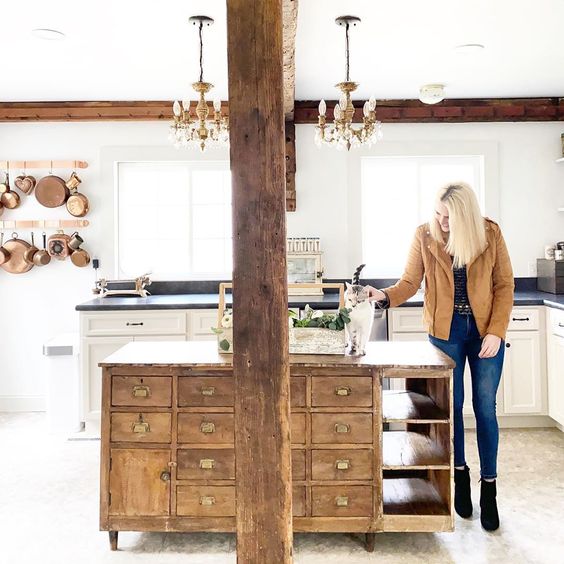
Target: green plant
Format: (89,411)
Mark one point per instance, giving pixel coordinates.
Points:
(314,318)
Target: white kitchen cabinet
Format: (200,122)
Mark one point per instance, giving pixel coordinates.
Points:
(555,327)
(200,322)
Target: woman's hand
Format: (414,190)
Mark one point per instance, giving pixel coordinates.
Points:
(375,295)
(490,346)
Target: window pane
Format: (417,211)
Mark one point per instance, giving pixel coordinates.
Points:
(209,255)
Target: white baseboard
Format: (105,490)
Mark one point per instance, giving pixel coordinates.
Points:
(12,404)
(515,421)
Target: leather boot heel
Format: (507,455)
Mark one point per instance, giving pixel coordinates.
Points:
(489,515)
(462,498)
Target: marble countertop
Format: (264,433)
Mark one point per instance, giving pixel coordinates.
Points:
(327,301)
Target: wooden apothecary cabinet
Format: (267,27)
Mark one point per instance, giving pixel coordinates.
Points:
(168,458)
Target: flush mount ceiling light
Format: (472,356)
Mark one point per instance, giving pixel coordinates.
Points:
(432,93)
(48,34)
(469,49)
(195,127)
(342,134)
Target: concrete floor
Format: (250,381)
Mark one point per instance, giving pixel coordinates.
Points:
(49,511)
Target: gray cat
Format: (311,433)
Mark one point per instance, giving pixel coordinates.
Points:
(361,315)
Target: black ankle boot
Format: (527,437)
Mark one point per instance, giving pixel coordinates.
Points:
(462,499)
(489,515)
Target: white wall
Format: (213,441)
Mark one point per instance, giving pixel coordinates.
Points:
(39,304)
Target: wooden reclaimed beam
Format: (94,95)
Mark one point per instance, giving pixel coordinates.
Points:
(289,26)
(388,111)
(290,133)
(454,111)
(260,359)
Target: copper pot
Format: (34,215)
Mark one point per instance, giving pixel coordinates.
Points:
(30,253)
(4,253)
(77,203)
(80,258)
(8,198)
(51,191)
(42,257)
(58,246)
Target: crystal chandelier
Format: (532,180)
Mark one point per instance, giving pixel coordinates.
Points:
(195,127)
(342,133)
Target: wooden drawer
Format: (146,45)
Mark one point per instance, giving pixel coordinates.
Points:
(341,428)
(341,501)
(342,464)
(205,391)
(205,428)
(341,391)
(297,391)
(298,465)
(141,391)
(523,319)
(298,501)
(205,501)
(298,428)
(134,323)
(139,427)
(206,464)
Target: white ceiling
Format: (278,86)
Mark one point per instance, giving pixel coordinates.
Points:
(146,50)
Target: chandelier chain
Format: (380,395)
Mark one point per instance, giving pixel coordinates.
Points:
(347,49)
(201,53)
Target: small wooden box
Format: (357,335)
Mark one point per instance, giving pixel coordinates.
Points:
(550,276)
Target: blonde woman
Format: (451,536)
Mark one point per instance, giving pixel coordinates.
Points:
(468,299)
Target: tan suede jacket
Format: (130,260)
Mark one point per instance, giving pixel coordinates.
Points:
(490,283)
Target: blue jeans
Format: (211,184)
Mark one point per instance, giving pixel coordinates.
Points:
(464,342)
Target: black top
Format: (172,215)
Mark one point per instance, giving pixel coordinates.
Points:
(461,302)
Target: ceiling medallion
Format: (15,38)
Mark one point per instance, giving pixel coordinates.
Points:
(195,127)
(342,134)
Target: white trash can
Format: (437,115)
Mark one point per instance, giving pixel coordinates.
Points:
(62,397)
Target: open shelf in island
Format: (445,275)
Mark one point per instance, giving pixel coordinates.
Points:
(411,407)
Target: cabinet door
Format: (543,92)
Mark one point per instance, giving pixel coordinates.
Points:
(522,387)
(200,323)
(94,350)
(556,378)
(139,482)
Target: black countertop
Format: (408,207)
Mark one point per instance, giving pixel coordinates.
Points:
(327,301)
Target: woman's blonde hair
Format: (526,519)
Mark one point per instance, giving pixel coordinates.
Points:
(467,236)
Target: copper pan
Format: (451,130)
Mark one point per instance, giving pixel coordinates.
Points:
(8,198)
(77,203)
(4,253)
(51,191)
(30,253)
(42,257)
(17,248)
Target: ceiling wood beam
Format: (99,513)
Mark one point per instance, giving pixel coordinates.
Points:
(289,26)
(388,111)
(260,332)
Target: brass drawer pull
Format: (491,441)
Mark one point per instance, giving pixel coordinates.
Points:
(140,427)
(207,500)
(210,391)
(342,501)
(207,427)
(207,463)
(342,428)
(343,391)
(141,391)
(342,464)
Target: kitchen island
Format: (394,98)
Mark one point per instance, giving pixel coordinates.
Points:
(168,457)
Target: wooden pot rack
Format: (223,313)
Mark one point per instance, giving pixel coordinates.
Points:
(43,223)
(43,164)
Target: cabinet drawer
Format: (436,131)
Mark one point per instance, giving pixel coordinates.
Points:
(201,323)
(523,320)
(298,465)
(205,391)
(206,464)
(556,322)
(205,428)
(407,320)
(341,391)
(341,428)
(298,501)
(134,323)
(140,391)
(298,428)
(341,501)
(341,464)
(141,427)
(297,391)
(205,501)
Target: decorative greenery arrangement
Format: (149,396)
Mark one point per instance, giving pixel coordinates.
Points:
(314,318)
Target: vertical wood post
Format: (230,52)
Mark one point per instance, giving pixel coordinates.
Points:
(260,360)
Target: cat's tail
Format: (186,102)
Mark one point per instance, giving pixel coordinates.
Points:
(356,275)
